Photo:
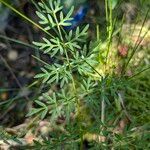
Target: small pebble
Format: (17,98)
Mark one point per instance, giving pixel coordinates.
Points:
(4,96)
(12,55)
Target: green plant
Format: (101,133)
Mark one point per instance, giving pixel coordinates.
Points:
(84,91)
(81,92)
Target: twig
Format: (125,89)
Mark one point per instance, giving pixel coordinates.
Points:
(123,106)
(18,83)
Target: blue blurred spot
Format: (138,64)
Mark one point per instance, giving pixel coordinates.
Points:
(78,17)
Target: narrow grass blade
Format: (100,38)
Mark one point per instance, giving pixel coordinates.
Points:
(25,17)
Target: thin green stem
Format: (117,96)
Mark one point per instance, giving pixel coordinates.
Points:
(17,41)
(103,110)
(97,32)
(67,57)
(92,68)
(35,4)
(47,16)
(58,27)
(139,73)
(137,43)
(110,31)
(110,21)
(81,146)
(134,50)
(106,11)
(43,62)
(25,17)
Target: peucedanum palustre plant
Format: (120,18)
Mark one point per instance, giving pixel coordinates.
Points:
(83,90)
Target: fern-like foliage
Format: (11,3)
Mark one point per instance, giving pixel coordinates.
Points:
(71,72)
(66,46)
(62,44)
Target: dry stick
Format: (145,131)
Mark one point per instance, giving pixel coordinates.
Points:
(139,73)
(134,50)
(18,83)
(121,28)
(7,41)
(3,115)
(123,106)
(137,43)
(5,62)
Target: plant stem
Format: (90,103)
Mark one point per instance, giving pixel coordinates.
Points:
(109,29)
(106,11)
(137,43)
(70,70)
(17,41)
(97,32)
(25,17)
(103,110)
(58,27)
(139,73)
